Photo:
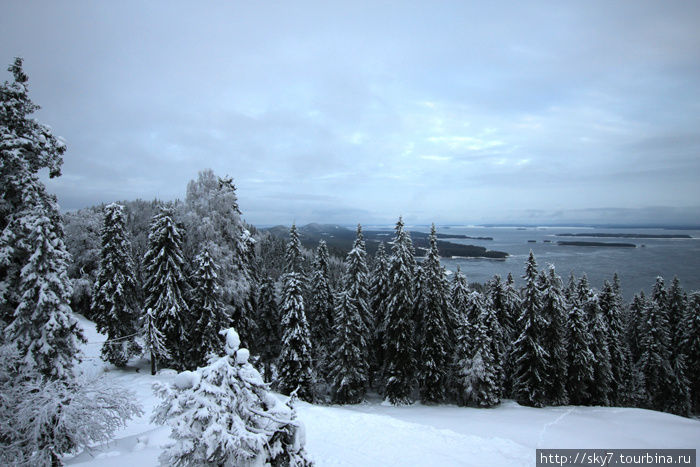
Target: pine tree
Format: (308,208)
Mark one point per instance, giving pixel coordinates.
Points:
(379,292)
(208,313)
(635,324)
(293,258)
(223,414)
(598,329)
(679,403)
(26,147)
(154,339)
(580,358)
(459,293)
(529,357)
(399,359)
(691,348)
(43,328)
(435,339)
(322,309)
(349,372)
(620,389)
(484,374)
(114,305)
(655,361)
(554,338)
(295,364)
(166,287)
(269,330)
(356,284)
(497,295)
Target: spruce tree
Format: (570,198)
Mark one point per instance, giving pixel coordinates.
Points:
(166,287)
(497,295)
(459,293)
(484,373)
(26,147)
(620,389)
(529,357)
(579,356)
(399,359)
(435,345)
(349,371)
(379,292)
(223,414)
(293,258)
(554,338)
(691,347)
(679,402)
(114,305)
(208,313)
(356,284)
(154,340)
(654,360)
(321,309)
(269,330)
(295,364)
(600,387)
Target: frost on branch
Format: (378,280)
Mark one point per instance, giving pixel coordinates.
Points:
(223,414)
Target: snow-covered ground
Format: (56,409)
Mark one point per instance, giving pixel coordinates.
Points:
(376,434)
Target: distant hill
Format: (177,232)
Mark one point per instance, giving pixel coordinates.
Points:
(340,239)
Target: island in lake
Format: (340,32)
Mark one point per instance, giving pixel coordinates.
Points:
(623,235)
(609,244)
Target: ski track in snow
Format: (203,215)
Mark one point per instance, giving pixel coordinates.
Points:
(552,423)
(371,434)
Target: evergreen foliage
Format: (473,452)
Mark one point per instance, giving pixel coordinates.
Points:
(691,347)
(610,306)
(269,329)
(223,414)
(600,386)
(295,362)
(529,357)
(166,287)
(114,307)
(349,372)
(435,343)
(356,285)
(322,309)
(399,357)
(554,338)
(484,374)
(293,259)
(208,313)
(379,293)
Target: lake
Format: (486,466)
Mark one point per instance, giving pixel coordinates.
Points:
(637,267)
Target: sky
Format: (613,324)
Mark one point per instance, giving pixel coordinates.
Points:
(342,112)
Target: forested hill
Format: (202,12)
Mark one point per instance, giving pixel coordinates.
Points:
(340,239)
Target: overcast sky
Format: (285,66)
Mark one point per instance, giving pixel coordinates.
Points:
(453,112)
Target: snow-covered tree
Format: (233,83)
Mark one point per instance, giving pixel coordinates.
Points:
(223,414)
(154,340)
(529,357)
(349,372)
(208,314)
(295,365)
(166,287)
(580,357)
(321,308)
(269,331)
(293,257)
(600,386)
(459,292)
(356,281)
(399,357)
(379,292)
(654,361)
(554,338)
(484,374)
(43,327)
(213,220)
(610,307)
(691,348)
(679,402)
(114,305)
(26,147)
(435,343)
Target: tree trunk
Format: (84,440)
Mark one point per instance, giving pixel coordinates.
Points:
(153,363)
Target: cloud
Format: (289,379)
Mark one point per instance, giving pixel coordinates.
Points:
(443,111)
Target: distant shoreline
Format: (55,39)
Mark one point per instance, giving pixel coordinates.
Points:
(604,244)
(623,235)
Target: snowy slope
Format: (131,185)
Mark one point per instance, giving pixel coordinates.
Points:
(374,434)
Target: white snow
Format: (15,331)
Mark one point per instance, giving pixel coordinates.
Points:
(374,434)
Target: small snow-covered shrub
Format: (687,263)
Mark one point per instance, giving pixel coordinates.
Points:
(43,418)
(223,414)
